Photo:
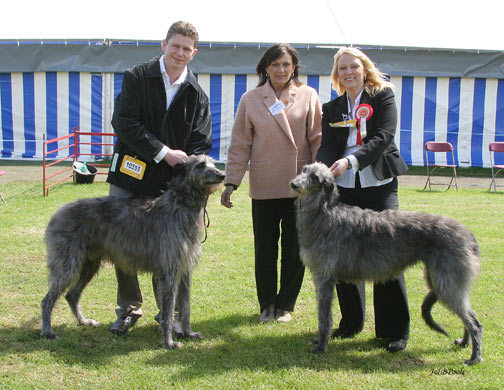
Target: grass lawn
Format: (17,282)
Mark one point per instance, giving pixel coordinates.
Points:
(238,352)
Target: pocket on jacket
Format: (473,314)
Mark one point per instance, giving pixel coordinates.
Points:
(395,164)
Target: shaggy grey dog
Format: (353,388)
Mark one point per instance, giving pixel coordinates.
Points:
(343,243)
(161,236)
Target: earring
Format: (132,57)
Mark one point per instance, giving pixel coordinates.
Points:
(267,75)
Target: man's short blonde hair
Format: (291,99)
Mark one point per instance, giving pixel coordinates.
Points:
(183,28)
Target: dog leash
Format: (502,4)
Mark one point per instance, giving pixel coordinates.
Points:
(205,216)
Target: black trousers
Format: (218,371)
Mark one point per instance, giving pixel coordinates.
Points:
(273,219)
(390,299)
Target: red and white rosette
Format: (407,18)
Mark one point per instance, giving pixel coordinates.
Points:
(362,113)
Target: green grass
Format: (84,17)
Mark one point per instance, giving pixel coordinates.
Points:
(237,352)
(461,171)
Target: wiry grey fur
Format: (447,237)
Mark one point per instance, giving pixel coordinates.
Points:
(343,243)
(161,236)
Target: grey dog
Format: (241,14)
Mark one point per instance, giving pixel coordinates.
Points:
(161,236)
(343,243)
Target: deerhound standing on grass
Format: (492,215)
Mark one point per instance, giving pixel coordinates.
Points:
(161,236)
(344,243)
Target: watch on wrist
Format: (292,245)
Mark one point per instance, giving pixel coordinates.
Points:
(349,163)
(231,185)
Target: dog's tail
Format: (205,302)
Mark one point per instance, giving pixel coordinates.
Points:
(429,301)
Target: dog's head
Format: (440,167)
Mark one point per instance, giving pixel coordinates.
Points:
(201,171)
(313,179)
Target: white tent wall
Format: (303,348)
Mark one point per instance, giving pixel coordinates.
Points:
(466,111)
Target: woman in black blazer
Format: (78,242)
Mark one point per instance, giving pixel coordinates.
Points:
(358,131)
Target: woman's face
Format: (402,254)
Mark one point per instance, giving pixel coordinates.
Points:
(280,71)
(351,73)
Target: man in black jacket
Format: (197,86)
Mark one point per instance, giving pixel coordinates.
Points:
(161,115)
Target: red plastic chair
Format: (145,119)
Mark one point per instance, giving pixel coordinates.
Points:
(1,174)
(440,147)
(495,147)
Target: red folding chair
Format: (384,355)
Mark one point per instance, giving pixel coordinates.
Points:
(495,147)
(1,174)
(440,147)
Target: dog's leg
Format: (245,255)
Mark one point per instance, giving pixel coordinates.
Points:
(184,306)
(177,328)
(465,340)
(167,284)
(457,299)
(475,329)
(59,280)
(47,306)
(89,269)
(325,294)
(56,288)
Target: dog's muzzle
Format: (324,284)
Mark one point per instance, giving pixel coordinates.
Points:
(294,186)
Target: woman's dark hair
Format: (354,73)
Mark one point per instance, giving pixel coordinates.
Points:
(271,54)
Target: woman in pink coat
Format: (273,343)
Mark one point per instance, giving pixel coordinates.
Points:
(277,130)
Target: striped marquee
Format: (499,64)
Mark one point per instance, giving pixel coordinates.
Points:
(468,112)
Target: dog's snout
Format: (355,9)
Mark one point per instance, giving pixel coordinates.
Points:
(220,176)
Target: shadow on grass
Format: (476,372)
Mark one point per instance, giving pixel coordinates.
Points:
(236,342)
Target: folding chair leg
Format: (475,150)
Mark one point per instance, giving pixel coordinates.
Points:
(1,196)
(493,179)
(428,178)
(492,183)
(427,182)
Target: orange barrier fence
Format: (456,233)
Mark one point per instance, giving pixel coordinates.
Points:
(74,154)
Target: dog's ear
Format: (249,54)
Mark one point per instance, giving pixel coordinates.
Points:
(328,187)
(179,168)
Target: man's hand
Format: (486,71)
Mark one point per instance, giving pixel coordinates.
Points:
(173,157)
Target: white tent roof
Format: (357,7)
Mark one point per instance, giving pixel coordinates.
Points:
(426,23)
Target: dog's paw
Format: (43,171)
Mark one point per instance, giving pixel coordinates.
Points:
(461,343)
(89,322)
(318,349)
(193,335)
(172,345)
(49,335)
(178,335)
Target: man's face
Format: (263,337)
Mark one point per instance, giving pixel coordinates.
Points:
(178,52)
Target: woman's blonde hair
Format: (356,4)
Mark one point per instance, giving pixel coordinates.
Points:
(374,81)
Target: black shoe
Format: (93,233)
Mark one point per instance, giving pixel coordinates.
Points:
(344,334)
(122,324)
(397,345)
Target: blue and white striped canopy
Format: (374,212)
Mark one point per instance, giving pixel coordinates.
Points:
(464,109)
